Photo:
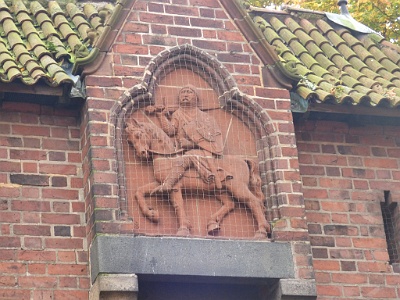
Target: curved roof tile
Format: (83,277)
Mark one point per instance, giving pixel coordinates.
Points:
(336,64)
(36,41)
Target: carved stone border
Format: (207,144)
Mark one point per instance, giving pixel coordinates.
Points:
(230,98)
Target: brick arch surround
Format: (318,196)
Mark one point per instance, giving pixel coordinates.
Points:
(230,99)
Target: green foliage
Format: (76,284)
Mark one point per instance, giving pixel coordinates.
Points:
(380,15)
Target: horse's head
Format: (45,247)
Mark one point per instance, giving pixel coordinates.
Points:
(138,137)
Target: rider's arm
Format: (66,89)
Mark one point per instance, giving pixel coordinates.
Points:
(169,127)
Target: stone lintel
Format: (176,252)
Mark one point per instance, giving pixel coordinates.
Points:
(290,289)
(198,259)
(114,286)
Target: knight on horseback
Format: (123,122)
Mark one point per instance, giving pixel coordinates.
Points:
(198,134)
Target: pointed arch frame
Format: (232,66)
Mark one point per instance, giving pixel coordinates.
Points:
(230,98)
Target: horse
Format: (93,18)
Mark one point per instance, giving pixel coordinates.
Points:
(151,142)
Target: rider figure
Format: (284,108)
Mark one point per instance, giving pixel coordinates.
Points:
(197,133)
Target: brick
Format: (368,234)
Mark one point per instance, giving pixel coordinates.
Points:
(322,241)
(60,194)
(66,269)
(376,279)
(184,31)
(205,3)
(14,294)
(30,217)
(210,45)
(369,243)
(340,230)
(103,81)
(155,18)
(79,231)
(11,142)
(84,283)
(135,27)
(59,181)
(320,253)
(207,13)
(59,144)
(37,230)
(8,166)
(60,218)
(29,167)
(74,157)
(4,204)
(27,107)
(207,23)
(7,254)
(62,231)
(335,183)
(378,292)
(24,179)
(351,291)
(64,243)
(343,242)
(366,219)
(182,10)
(7,281)
(61,206)
(314,229)
(57,156)
(70,294)
(33,242)
(318,217)
(373,266)
(30,130)
(37,282)
(312,170)
(328,290)
(68,282)
(349,278)
(80,207)
(10,217)
(23,205)
(10,242)
(39,268)
(62,169)
(12,268)
(66,256)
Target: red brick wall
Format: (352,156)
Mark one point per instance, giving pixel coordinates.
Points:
(345,171)
(155,26)
(43,249)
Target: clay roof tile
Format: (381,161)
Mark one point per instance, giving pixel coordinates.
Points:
(36,40)
(337,64)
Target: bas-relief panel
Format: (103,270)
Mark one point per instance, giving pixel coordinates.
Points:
(191,206)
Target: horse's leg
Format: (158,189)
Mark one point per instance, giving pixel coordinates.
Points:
(213,224)
(140,194)
(244,195)
(177,202)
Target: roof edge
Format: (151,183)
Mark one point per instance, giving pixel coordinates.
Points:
(104,42)
(266,53)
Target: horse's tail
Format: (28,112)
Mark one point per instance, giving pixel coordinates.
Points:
(254,179)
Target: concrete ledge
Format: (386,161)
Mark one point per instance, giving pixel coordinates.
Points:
(190,257)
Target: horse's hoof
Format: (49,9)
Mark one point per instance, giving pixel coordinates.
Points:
(183,231)
(261,235)
(213,227)
(153,215)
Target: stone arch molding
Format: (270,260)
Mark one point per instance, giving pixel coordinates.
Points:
(230,98)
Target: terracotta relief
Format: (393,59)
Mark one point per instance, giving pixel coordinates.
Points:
(183,145)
